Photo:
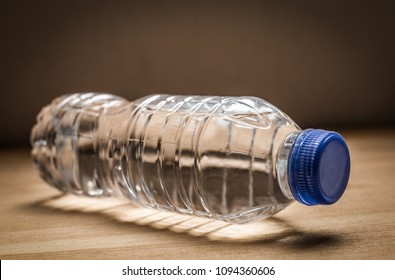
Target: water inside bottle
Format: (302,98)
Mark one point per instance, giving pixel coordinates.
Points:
(202,155)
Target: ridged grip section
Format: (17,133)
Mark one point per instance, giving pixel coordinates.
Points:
(64,142)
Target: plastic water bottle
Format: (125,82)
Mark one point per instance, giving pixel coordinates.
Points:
(235,159)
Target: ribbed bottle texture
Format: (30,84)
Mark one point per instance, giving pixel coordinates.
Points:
(202,155)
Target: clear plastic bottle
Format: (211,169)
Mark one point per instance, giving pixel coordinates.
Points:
(235,159)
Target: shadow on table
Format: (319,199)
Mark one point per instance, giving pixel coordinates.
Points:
(270,230)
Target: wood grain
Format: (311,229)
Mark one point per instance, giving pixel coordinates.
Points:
(37,222)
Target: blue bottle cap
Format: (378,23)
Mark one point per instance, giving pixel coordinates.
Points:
(318,167)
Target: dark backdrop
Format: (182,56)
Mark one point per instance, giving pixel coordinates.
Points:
(325,63)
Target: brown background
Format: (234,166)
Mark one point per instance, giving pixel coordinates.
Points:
(330,63)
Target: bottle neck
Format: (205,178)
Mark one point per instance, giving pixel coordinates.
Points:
(282,163)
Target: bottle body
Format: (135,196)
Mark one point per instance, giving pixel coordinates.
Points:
(217,157)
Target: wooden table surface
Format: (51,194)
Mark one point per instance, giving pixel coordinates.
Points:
(37,222)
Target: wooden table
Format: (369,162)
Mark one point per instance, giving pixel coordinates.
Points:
(39,223)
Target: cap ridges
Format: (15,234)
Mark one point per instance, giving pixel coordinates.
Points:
(318,167)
